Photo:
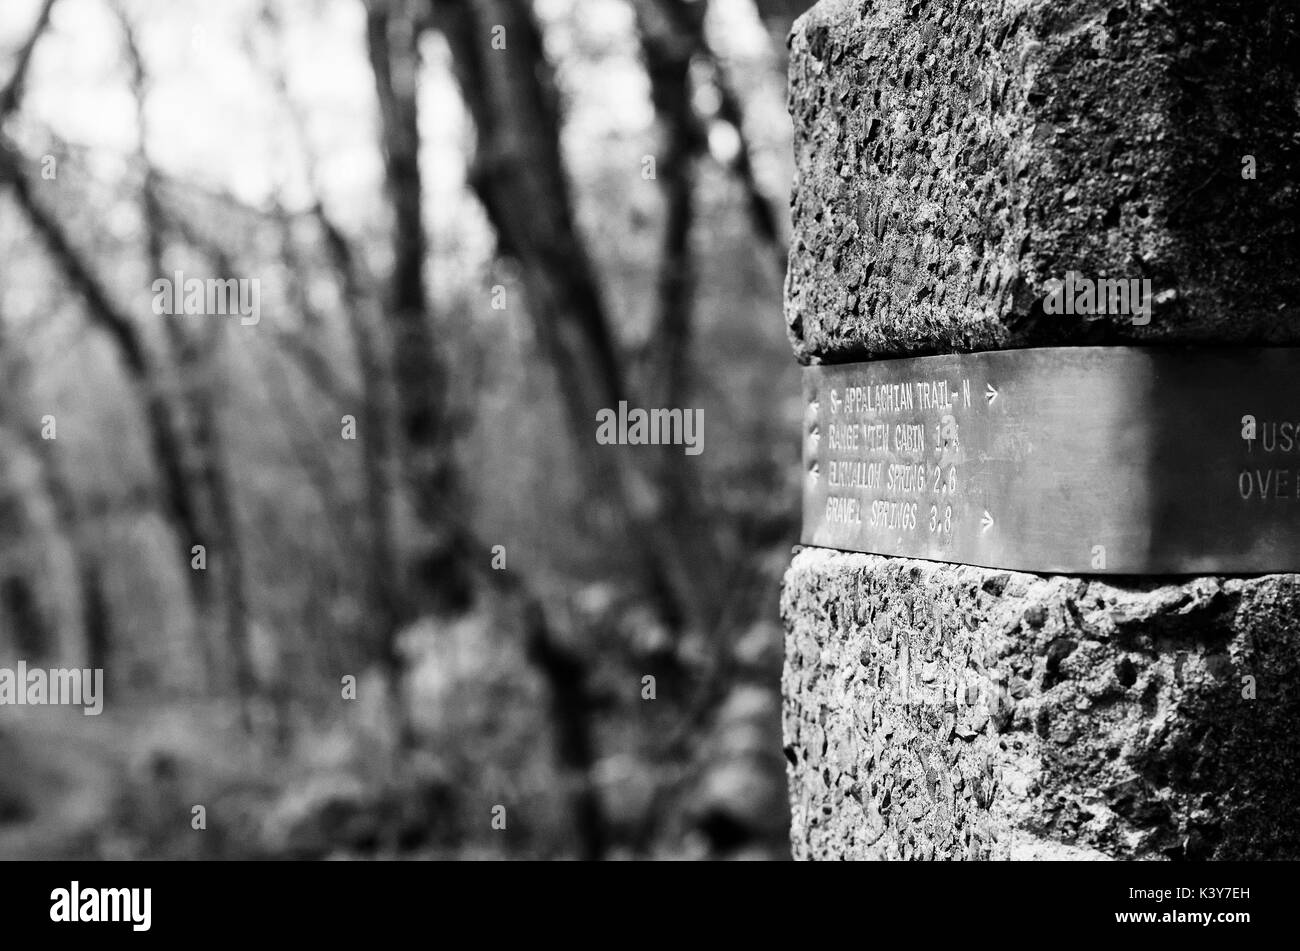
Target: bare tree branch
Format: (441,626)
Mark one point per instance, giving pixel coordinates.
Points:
(375,403)
(12,93)
(166,442)
(199,414)
(688,20)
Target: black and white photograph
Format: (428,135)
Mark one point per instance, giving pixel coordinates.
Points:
(444,433)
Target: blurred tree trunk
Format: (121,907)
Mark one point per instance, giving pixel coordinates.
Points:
(421,378)
(667,46)
(373,404)
(670,33)
(565,672)
(434,579)
(571,708)
(94,625)
(518,174)
(673,36)
(421,373)
(91,625)
(196,375)
(384,593)
(225,532)
(180,506)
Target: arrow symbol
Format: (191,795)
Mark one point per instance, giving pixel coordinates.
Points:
(990,394)
(987,521)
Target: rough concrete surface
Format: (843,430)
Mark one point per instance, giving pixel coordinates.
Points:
(944,712)
(952,157)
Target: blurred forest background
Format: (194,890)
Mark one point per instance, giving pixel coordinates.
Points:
(474,223)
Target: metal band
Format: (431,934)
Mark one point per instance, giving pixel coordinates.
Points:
(1117,460)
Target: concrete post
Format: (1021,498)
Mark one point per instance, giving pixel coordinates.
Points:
(953,156)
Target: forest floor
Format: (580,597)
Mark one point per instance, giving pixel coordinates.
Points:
(184,780)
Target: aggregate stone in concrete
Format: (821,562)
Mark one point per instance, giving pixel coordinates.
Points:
(953,156)
(952,712)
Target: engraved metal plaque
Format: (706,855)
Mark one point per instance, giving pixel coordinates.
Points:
(1079,460)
